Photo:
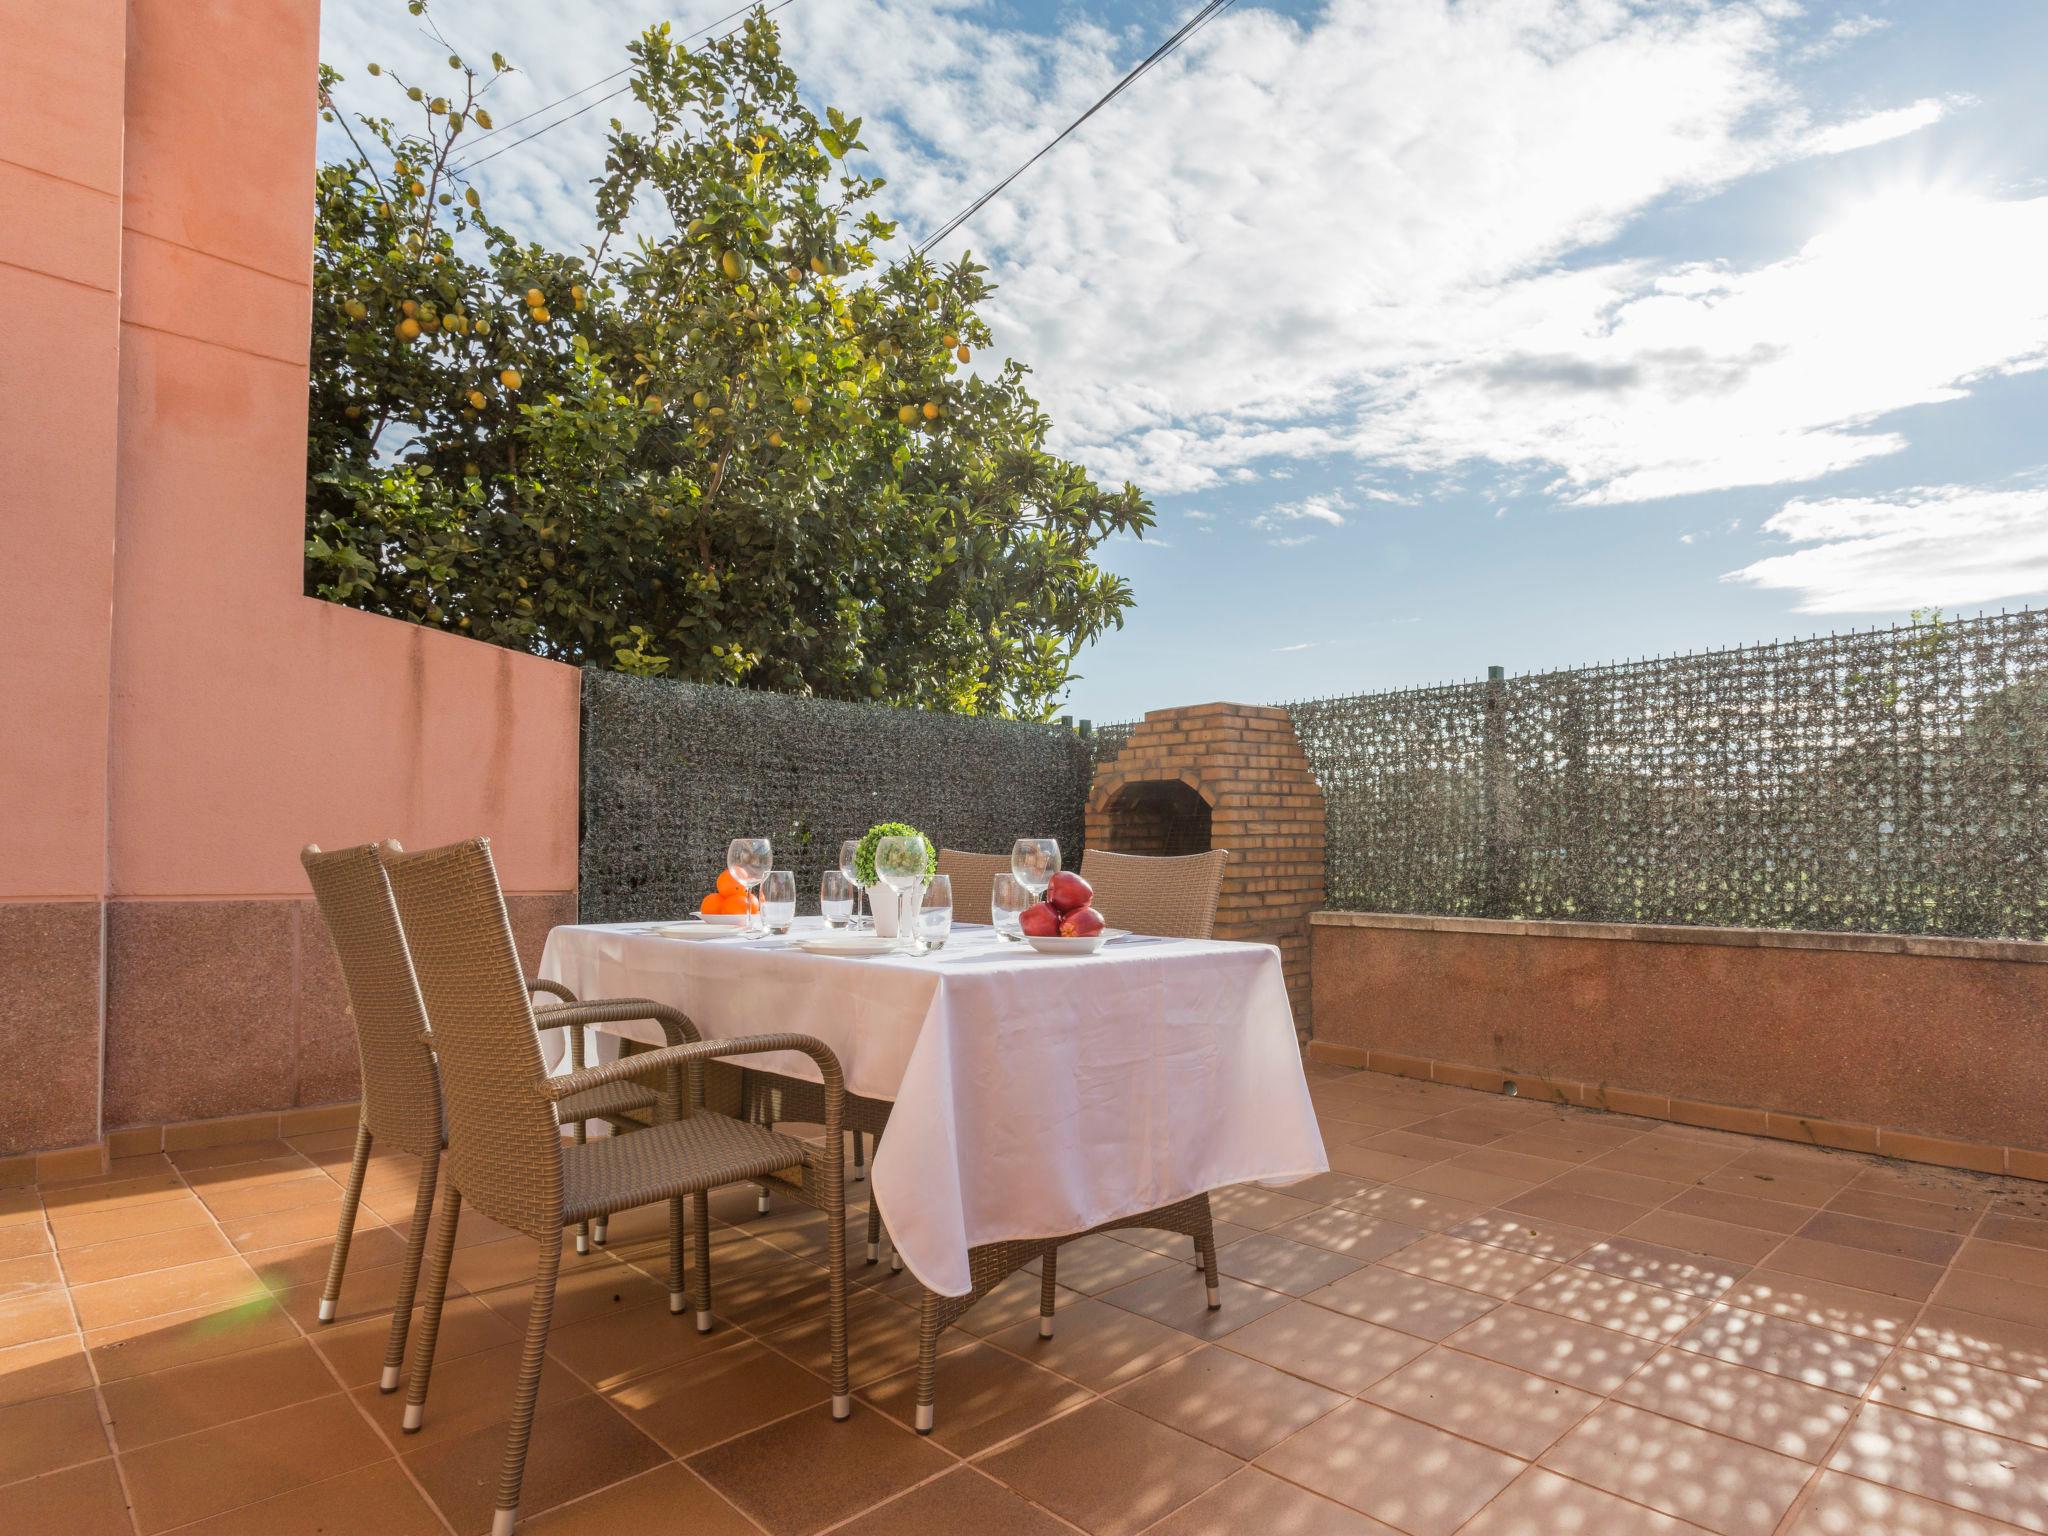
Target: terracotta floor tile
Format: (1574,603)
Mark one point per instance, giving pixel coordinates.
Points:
(1328,1188)
(1825,1304)
(1081,1468)
(230,1153)
(256,1189)
(1860,1268)
(355,1351)
(1906,1211)
(160,1343)
(1012,1302)
(1180,1300)
(1102,1263)
(881,1339)
(1281,1264)
(593,1290)
(378,1497)
(1257,1208)
(188,1398)
(1525,1234)
(1991,1341)
(42,1369)
(1423,1149)
(1785,1346)
(305,1263)
(1329,1348)
(614,1347)
(138,1255)
(2009,1261)
(1965,1467)
(1409,1207)
(1482,1400)
(1396,1299)
(1785,1189)
(1236,1404)
(1456,1182)
(670,1498)
(1569,1143)
(1577,1354)
(113,1195)
(1608,1301)
(1923,1181)
(1540,1503)
(1253,1500)
(1973,1396)
(1682,1470)
(1619,1185)
(1497,1272)
(1671,1269)
(1699,1234)
(222,1283)
(29,1316)
(696,1404)
(47,1433)
(1353,1233)
(1368,1162)
(1847,1506)
(963,1500)
(468,1394)
(1096,1344)
(81,1501)
(2023,1232)
(1995,1296)
(578,1447)
(1741,1210)
(1593,1213)
(295,1224)
(985,1395)
(1410,1475)
(22,1239)
(805,1472)
(178,1481)
(1775,1412)
(1882,1237)
(1177,1245)
(83,1229)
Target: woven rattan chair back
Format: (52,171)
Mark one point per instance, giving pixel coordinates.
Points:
(1174,896)
(504,1142)
(401,1095)
(974,882)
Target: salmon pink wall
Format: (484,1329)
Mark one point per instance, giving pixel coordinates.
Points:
(196,718)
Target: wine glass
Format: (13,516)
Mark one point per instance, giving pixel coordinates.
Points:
(935,913)
(835,898)
(900,864)
(748,860)
(1010,897)
(778,900)
(1034,861)
(849,858)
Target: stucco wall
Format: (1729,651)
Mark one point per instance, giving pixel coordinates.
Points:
(183,717)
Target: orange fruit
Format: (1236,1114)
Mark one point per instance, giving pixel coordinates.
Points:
(728,886)
(711,904)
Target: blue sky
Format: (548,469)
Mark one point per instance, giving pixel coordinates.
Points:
(1529,332)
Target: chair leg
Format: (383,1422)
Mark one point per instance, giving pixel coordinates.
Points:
(1048,1285)
(761,1202)
(438,1260)
(860,1142)
(700,1258)
(927,1358)
(675,1255)
(582,1138)
(1206,1246)
(874,1231)
(531,1356)
(835,1279)
(409,1273)
(350,1198)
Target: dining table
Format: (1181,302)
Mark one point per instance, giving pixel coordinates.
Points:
(1030,1095)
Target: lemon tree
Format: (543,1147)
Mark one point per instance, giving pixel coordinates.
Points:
(728,442)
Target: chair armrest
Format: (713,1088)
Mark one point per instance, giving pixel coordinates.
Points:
(675,1024)
(552,988)
(687,1056)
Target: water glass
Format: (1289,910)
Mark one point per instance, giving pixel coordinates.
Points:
(835,898)
(935,913)
(1034,861)
(1009,898)
(748,860)
(849,855)
(778,900)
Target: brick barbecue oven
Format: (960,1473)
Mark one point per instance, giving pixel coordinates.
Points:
(1225,776)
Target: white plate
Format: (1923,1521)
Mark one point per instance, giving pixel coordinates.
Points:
(1059,946)
(698,930)
(848,944)
(724,919)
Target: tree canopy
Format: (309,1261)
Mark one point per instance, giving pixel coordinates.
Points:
(727,442)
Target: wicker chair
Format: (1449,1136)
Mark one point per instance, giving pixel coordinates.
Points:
(974,880)
(1172,896)
(401,1089)
(505,1150)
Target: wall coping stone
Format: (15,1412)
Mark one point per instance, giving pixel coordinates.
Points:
(1929,946)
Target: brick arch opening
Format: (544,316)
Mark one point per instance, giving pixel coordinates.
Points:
(1162,817)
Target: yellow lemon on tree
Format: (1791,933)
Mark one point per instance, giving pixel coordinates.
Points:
(543,315)
(355,309)
(700,399)
(408,329)
(476,398)
(696,228)
(510,378)
(576,295)
(535,298)
(774,439)
(418,188)
(801,404)
(481,326)
(818,265)
(964,355)
(949,340)
(408,309)
(651,404)
(730,265)
(906,414)
(931,410)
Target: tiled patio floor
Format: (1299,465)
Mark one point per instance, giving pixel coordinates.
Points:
(1496,1317)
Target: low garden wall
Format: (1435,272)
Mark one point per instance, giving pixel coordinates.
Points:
(1932,1049)
(673,771)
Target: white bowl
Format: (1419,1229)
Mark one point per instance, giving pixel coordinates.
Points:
(1055,945)
(723,919)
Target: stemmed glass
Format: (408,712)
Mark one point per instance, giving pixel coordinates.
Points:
(748,860)
(1034,861)
(849,856)
(900,864)
(1009,898)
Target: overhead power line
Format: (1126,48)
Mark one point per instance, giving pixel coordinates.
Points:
(475,160)
(1188,29)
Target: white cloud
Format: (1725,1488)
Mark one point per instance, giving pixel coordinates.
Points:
(1306,645)
(1877,128)
(1295,542)
(1936,546)
(1326,507)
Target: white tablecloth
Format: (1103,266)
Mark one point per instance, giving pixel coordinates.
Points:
(1034,1094)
